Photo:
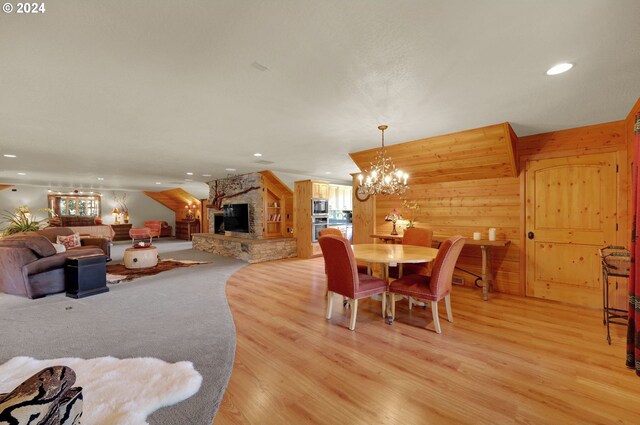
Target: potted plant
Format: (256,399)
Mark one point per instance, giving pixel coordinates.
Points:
(412,213)
(23,220)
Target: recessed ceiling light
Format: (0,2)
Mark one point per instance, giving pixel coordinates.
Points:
(327,172)
(59,193)
(188,180)
(559,68)
(49,190)
(189,174)
(100,178)
(158,182)
(230,169)
(257,154)
(206,175)
(8,155)
(22,174)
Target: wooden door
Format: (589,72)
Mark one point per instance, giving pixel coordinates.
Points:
(570,213)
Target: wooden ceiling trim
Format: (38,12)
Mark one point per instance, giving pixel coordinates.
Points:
(274,184)
(480,153)
(174,199)
(511,141)
(5,186)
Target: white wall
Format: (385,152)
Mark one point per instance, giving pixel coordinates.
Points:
(141,207)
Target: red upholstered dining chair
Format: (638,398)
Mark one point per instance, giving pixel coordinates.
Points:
(419,237)
(335,232)
(330,231)
(343,277)
(431,288)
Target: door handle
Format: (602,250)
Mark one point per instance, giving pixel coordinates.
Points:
(530,235)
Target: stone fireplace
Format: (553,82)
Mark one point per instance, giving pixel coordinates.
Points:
(252,246)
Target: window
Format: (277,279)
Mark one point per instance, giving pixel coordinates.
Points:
(75,205)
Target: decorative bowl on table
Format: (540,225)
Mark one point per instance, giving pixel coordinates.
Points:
(142,245)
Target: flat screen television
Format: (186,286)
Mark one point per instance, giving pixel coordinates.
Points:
(236,217)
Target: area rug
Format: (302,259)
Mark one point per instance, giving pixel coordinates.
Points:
(115,391)
(117,273)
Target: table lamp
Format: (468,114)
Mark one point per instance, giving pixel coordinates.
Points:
(393,216)
(116,213)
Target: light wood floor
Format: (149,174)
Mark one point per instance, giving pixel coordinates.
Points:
(510,360)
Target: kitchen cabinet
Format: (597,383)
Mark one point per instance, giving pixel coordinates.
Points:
(340,197)
(320,190)
(304,192)
(333,197)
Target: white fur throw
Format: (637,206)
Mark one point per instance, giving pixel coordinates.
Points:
(115,391)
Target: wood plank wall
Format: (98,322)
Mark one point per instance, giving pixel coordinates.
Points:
(463,207)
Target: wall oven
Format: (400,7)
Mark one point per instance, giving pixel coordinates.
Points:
(317,224)
(319,207)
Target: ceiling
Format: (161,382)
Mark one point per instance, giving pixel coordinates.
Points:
(146,91)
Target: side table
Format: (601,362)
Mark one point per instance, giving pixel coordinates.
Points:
(86,275)
(141,258)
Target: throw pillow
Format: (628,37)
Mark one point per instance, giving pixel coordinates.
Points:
(71,241)
(59,248)
(98,221)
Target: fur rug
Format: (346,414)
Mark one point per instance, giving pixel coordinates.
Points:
(117,273)
(115,391)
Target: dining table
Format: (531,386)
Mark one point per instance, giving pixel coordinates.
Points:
(392,255)
(485,250)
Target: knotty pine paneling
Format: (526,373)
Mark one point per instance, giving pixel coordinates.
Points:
(475,204)
(479,153)
(175,200)
(464,207)
(592,139)
(599,138)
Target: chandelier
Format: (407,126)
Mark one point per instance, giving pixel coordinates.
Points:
(382,178)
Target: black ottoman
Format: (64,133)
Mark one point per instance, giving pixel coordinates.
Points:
(86,275)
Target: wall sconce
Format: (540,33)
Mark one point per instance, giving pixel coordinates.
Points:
(190,209)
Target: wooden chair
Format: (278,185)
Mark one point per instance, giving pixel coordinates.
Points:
(343,277)
(431,288)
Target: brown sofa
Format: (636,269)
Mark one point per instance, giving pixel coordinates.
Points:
(30,266)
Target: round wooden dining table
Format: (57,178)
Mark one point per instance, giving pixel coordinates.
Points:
(391,255)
